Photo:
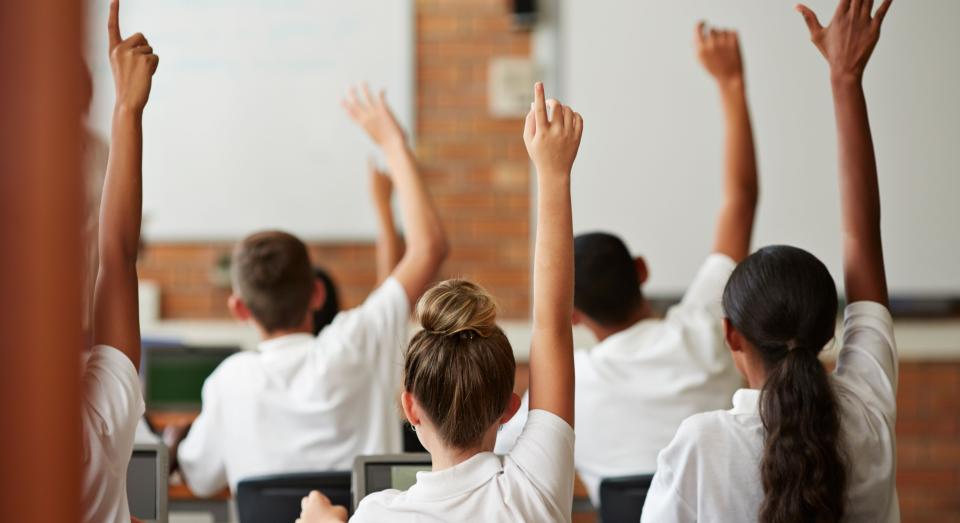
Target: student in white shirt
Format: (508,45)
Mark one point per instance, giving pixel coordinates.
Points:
(112,402)
(305,402)
(801,444)
(648,374)
(459,372)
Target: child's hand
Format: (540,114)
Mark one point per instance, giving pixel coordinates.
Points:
(719,53)
(373,115)
(849,40)
(316,508)
(552,144)
(381,186)
(133,63)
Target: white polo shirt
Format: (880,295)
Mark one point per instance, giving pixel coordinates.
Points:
(301,402)
(711,470)
(112,405)
(636,387)
(532,483)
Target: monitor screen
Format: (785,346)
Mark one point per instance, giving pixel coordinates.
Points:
(142,485)
(400,476)
(174,376)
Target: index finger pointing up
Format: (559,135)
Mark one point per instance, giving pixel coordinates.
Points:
(540,104)
(113,24)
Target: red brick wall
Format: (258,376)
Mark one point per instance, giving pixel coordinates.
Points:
(928,442)
(475,165)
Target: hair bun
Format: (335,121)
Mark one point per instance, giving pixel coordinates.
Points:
(457,307)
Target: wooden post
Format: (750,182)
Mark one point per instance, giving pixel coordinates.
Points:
(41,201)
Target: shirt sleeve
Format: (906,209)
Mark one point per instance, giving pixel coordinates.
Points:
(378,327)
(544,452)
(706,290)
(868,362)
(200,453)
(113,401)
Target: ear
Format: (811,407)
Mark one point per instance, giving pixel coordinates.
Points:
(410,408)
(576,317)
(641,266)
(512,407)
(732,337)
(319,296)
(237,308)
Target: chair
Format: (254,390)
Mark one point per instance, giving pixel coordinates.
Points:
(622,498)
(267,499)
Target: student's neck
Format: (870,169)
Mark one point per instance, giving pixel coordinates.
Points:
(602,332)
(445,458)
(272,335)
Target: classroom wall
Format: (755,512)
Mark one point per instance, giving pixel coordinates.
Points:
(475,165)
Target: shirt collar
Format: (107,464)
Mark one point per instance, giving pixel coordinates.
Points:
(275,344)
(625,337)
(746,401)
(463,477)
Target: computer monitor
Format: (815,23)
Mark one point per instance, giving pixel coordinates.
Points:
(387,471)
(147,475)
(173,375)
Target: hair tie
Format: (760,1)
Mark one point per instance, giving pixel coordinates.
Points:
(793,344)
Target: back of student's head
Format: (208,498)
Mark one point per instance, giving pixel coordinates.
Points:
(271,273)
(331,304)
(607,286)
(784,302)
(460,367)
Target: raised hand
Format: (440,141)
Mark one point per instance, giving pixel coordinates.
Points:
(316,508)
(719,53)
(373,115)
(848,41)
(133,62)
(552,143)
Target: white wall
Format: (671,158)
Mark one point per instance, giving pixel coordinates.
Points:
(650,163)
(244,129)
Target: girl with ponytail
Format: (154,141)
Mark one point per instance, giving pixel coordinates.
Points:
(458,376)
(802,445)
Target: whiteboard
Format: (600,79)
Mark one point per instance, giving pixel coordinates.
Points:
(649,166)
(244,130)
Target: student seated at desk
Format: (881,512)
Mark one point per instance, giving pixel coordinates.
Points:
(112,402)
(304,402)
(648,374)
(802,444)
(459,371)
(388,248)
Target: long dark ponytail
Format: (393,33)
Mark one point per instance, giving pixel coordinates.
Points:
(784,302)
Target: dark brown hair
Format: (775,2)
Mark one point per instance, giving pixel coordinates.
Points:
(272,275)
(784,302)
(460,367)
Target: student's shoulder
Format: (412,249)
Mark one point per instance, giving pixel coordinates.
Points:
(379,506)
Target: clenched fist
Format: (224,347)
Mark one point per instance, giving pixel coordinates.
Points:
(719,53)
(552,143)
(133,63)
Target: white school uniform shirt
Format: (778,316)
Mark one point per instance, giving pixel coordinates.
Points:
(635,388)
(534,482)
(112,406)
(302,402)
(711,470)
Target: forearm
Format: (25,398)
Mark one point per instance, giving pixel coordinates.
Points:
(740,184)
(388,248)
(120,213)
(424,232)
(859,192)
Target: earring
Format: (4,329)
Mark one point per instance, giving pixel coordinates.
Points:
(413,427)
